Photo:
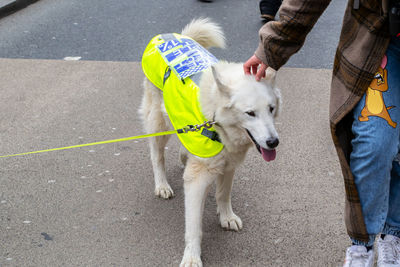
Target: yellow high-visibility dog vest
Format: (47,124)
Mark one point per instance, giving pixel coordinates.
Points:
(170,62)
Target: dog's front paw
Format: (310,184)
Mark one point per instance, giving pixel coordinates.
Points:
(230,222)
(191,256)
(164,191)
(191,261)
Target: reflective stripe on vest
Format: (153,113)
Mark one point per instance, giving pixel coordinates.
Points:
(181,96)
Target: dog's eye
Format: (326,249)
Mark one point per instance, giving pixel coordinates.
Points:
(271,109)
(251,113)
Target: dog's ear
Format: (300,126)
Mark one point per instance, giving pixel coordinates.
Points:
(270,75)
(278,96)
(220,84)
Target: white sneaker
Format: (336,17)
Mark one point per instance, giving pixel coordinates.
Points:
(358,256)
(389,251)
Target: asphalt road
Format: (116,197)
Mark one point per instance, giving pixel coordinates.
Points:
(119,30)
(95,206)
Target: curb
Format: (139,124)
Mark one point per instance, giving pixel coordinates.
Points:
(14,7)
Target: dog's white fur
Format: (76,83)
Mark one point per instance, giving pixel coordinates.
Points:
(229,96)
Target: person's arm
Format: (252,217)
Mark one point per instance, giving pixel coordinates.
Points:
(281,39)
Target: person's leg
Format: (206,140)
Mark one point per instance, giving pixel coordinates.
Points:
(392,226)
(389,242)
(269,8)
(375,145)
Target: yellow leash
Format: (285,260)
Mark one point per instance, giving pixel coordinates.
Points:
(186,129)
(96,143)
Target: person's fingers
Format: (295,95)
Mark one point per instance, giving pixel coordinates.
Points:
(261,72)
(255,66)
(254,69)
(250,65)
(247,67)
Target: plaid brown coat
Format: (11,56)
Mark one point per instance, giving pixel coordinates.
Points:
(363,42)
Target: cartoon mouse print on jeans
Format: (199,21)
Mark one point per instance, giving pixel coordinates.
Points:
(374,103)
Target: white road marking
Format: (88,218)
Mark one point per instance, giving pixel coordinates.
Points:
(72,58)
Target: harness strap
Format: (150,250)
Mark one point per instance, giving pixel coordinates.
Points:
(166,75)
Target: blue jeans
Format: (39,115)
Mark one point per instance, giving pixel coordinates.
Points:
(374,160)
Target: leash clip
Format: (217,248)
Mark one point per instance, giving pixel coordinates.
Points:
(197,127)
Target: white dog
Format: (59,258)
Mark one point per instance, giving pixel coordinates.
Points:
(244,112)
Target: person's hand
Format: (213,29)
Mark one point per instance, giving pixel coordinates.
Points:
(256,66)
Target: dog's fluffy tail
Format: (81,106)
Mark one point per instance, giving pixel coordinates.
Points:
(205,32)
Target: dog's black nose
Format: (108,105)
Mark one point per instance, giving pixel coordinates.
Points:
(273,142)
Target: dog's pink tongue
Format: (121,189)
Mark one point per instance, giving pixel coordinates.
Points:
(268,155)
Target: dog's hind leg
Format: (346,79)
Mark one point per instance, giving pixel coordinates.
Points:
(155,121)
(197,182)
(228,219)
